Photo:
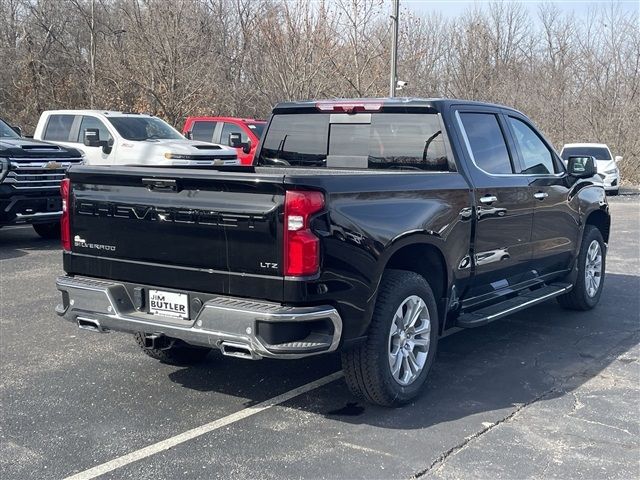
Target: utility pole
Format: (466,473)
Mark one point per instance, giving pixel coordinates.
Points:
(394,48)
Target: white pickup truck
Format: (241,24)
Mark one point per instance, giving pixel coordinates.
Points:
(117,138)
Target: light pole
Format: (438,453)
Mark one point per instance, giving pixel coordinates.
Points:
(394,48)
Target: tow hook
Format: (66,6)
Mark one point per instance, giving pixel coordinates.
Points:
(157,341)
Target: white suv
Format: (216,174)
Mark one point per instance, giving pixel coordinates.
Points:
(116,138)
(606,163)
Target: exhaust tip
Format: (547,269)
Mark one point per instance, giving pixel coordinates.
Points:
(90,324)
(238,350)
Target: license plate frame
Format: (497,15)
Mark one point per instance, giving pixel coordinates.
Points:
(164,303)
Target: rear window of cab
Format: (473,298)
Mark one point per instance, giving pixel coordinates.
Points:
(404,141)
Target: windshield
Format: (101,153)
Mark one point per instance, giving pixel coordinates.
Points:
(256,128)
(144,128)
(600,153)
(365,140)
(7,131)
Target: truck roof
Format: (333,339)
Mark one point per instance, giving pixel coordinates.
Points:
(599,145)
(412,102)
(218,118)
(106,113)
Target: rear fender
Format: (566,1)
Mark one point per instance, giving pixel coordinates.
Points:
(418,239)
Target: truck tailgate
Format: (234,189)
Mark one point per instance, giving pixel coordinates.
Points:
(180,228)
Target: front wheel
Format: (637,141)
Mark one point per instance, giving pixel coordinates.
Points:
(391,367)
(587,288)
(47,230)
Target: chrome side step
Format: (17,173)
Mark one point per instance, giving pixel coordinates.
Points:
(488,314)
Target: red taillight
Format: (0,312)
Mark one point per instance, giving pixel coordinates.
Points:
(65,226)
(301,246)
(350,107)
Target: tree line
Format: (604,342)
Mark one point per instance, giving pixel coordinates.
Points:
(577,77)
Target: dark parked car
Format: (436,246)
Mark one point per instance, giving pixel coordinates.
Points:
(30,176)
(372,227)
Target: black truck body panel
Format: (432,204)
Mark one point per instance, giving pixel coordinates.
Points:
(221,231)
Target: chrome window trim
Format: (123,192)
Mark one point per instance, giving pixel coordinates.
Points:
(473,158)
(468,145)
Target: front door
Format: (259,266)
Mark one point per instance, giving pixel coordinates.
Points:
(95,155)
(227,130)
(555,223)
(501,252)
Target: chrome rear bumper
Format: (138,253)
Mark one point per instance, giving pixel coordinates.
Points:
(231,324)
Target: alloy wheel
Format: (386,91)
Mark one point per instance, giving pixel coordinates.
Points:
(593,268)
(409,339)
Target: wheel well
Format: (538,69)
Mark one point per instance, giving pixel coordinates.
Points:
(601,221)
(425,260)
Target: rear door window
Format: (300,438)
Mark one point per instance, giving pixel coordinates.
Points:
(203,131)
(366,140)
(486,142)
(537,159)
(59,128)
(92,122)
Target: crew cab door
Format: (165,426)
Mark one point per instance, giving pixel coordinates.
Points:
(95,155)
(555,223)
(502,251)
(229,128)
(68,131)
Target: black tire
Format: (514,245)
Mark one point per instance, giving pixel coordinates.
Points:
(179,353)
(578,298)
(613,193)
(47,230)
(366,367)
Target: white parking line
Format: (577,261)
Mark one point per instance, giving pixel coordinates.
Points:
(201,430)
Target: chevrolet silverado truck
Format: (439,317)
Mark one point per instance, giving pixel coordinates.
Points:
(30,175)
(121,138)
(369,227)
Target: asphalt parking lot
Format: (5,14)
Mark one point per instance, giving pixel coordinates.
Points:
(545,393)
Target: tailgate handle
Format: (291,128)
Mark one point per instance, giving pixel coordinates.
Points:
(161,184)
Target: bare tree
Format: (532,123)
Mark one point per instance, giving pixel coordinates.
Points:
(578,78)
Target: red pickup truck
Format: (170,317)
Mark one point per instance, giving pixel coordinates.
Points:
(241,133)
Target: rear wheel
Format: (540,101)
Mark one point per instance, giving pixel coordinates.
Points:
(391,367)
(587,288)
(171,350)
(47,230)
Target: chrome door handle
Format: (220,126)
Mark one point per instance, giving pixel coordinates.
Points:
(488,199)
(541,195)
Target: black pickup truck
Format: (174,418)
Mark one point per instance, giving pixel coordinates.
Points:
(30,175)
(372,227)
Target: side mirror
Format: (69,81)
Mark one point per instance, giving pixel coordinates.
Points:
(581,167)
(18,130)
(246,147)
(92,137)
(617,159)
(235,140)
(188,135)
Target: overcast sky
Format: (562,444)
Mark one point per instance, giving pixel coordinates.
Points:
(453,8)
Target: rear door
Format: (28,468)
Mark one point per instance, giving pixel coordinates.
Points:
(203,130)
(60,128)
(199,230)
(503,205)
(555,223)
